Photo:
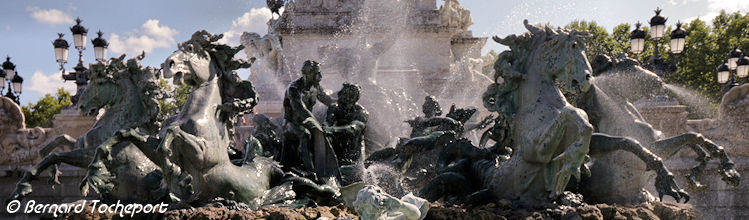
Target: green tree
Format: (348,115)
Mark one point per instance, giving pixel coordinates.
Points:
(597,42)
(174,103)
(42,113)
(707,44)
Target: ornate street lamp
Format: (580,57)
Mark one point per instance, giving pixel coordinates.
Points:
(61,50)
(80,75)
(736,61)
(733,57)
(678,38)
(742,68)
(17,83)
(9,68)
(100,47)
(637,39)
(2,81)
(723,73)
(657,32)
(79,35)
(657,25)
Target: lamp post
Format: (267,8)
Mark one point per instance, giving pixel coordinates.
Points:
(80,76)
(15,81)
(735,66)
(657,31)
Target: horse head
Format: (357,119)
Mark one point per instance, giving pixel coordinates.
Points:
(202,59)
(191,62)
(560,54)
(103,89)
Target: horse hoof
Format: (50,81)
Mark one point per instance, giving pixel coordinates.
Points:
(22,190)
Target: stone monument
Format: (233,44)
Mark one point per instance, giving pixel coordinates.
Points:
(331,30)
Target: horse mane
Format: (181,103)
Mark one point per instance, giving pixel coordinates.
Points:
(237,94)
(145,82)
(521,46)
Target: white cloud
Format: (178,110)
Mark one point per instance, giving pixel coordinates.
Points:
(252,21)
(728,5)
(49,16)
(44,84)
(715,6)
(151,35)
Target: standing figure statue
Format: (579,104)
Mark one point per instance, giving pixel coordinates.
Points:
(304,137)
(346,121)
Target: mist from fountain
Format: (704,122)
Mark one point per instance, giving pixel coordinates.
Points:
(702,106)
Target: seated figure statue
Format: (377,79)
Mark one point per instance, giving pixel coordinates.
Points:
(431,108)
(264,139)
(304,138)
(346,121)
(345,124)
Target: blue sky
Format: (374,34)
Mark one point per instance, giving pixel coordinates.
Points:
(29,27)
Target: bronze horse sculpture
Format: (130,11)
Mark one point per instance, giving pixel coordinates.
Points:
(129,94)
(552,139)
(620,177)
(191,147)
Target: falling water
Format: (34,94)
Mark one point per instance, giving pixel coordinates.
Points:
(699,104)
(384,176)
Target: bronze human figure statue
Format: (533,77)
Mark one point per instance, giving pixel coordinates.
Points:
(345,124)
(191,147)
(430,108)
(346,121)
(264,140)
(304,137)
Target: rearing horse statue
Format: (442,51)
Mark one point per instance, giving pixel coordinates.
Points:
(129,93)
(551,136)
(620,177)
(191,148)
(552,139)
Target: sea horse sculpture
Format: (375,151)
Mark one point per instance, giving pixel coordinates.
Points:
(552,139)
(191,147)
(129,92)
(620,177)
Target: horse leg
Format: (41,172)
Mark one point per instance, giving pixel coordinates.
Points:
(172,171)
(567,163)
(78,158)
(705,150)
(664,182)
(62,140)
(98,175)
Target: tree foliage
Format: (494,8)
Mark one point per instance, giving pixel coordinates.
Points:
(42,113)
(172,105)
(707,45)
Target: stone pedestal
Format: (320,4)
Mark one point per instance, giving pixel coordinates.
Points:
(730,130)
(70,122)
(67,191)
(664,114)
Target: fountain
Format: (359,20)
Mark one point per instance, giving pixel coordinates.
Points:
(565,140)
